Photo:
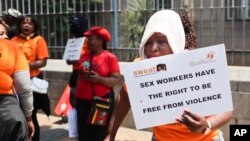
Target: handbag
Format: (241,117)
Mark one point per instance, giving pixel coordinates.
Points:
(39,85)
(99,111)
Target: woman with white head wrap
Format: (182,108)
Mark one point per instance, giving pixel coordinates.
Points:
(168,23)
(164,34)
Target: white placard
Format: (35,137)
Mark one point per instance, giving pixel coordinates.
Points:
(73,48)
(195,80)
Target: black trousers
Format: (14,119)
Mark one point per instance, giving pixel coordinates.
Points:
(13,126)
(89,132)
(41,102)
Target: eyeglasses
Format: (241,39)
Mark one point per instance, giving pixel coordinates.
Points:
(160,43)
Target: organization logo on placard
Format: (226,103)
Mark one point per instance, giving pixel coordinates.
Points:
(209,57)
(150,70)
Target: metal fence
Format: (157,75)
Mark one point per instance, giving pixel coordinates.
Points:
(215,21)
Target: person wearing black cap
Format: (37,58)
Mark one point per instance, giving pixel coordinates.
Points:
(99,73)
(78,25)
(11,17)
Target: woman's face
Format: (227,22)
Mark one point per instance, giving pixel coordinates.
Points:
(157,45)
(3,31)
(94,43)
(27,26)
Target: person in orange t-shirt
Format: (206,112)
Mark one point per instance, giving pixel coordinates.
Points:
(168,32)
(35,49)
(14,74)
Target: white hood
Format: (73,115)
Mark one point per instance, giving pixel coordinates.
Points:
(168,23)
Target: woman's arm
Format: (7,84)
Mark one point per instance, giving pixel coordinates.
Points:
(218,120)
(199,124)
(23,88)
(121,108)
(110,81)
(38,64)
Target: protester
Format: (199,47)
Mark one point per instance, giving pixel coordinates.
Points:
(99,73)
(11,17)
(35,49)
(164,34)
(15,113)
(78,25)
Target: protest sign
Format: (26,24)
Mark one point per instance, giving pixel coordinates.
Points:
(73,48)
(161,88)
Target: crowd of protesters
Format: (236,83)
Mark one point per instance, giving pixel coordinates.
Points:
(98,112)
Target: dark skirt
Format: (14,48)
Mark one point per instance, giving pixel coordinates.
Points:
(13,124)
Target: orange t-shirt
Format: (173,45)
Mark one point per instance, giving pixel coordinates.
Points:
(177,131)
(180,132)
(34,49)
(11,61)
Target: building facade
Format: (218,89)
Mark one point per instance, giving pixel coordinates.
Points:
(215,21)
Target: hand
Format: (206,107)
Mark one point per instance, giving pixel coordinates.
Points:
(91,76)
(31,127)
(86,72)
(195,122)
(94,77)
(68,62)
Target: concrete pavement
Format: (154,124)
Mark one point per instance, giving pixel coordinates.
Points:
(52,129)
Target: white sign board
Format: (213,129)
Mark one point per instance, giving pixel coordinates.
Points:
(73,48)
(161,88)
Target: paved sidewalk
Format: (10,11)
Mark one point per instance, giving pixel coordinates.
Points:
(53,130)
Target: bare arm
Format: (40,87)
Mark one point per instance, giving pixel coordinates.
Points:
(23,88)
(38,64)
(71,62)
(121,108)
(110,81)
(198,124)
(218,120)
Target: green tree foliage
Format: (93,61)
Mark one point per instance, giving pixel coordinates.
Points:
(136,16)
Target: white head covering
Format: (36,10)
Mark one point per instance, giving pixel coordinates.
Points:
(12,12)
(166,22)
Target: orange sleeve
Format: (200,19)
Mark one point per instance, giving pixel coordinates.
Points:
(11,61)
(21,61)
(42,48)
